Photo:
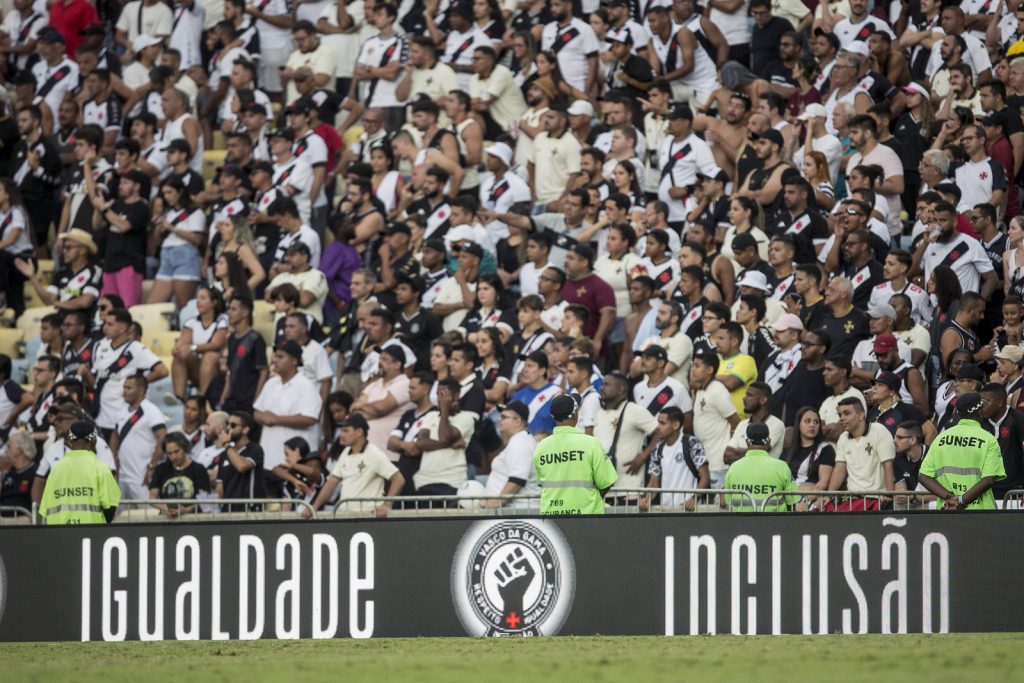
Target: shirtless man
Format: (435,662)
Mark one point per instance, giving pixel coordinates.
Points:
(728,134)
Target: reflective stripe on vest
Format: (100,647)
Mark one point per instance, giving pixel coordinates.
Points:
(73,508)
(570,484)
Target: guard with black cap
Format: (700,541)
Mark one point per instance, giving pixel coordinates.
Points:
(80,489)
(964,462)
(572,468)
(758,473)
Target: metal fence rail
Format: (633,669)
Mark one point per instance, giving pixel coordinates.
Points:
(845,501)
(647,500)
(451,506)
(16,515)
(210,509)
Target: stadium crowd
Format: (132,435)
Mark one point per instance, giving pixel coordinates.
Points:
(691,217)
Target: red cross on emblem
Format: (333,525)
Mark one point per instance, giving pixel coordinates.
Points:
(983,175)
(512,619)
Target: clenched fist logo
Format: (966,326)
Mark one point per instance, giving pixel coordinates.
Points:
(514,576)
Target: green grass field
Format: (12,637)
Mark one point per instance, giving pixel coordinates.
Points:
(793,659)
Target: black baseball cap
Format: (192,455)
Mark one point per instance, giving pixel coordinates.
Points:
(474,249)
(888,379)
(286,133)
(563,407)
(264,166)
(299,106)
(292,348)
(656,351)
(680,110)
(84,430)
(298,246)
(758,434)
(970,404)
(356,421)
(771,135)
(519,408)
(179,145)
(972,372)
(394,227)
(583,251)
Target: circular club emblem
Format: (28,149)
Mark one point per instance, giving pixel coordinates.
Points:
(513,577)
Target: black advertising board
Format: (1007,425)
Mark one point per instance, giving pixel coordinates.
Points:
(625,575)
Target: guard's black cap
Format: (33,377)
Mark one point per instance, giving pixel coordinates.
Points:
(356,421)
(519,408)
(563,407)
(292,348)
(84,430)
(970,404)
(757,434)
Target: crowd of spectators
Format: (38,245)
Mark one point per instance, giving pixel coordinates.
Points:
(801,214)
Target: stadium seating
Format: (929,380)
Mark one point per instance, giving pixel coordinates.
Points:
(9,340)
(160,342)
(212,160)
(154,317)
(31,320)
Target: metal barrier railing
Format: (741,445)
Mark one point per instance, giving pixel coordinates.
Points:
(648,500)
(845,501)
(1013,500)
(195,510)
(455,505)
(11,514)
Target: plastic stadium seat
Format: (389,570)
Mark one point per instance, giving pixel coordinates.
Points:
(32,347)
(351,135)
(187,313)
(262,311)
(212,160)
(161,343)
(32,319)
(147,285)
(19,369)
(153,317)
(45,270)
(32,299)
(266,330)
(9,340)
(218,140)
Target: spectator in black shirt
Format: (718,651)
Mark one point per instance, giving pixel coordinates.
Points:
(16,478)
(1007,426)
(629,74)
(806,384)
(127,219)
(888,408)
(765,38)
(910,450)
(241,467)
(416,327)
(246,359)
(177,477)
(860,268)
(844,323)
(35,164)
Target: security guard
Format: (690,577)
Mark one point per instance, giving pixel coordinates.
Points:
(80,488)
(758,473)
(964,461)
(572,468)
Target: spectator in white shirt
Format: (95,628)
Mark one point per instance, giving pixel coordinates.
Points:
(512,471)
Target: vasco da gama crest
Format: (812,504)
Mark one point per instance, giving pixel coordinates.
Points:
(513,577)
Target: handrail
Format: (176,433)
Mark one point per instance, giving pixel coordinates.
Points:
(18,511)
(862,496)
(275,506)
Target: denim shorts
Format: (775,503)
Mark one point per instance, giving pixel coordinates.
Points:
(181,262)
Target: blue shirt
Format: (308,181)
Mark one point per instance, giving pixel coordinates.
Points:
(539,403)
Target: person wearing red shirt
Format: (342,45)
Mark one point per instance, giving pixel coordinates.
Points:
(585,288)
(70,17)
(1001,151)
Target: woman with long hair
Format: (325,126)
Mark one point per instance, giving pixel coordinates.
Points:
(491,308)
(944,286)
(547,65)
(487,19)
(492,369)
(1013,258)
(601,22)
(815,171)
(234,236)
(193,417)
(182,227)
(946,391)
(229,276)
(302,471)
(805,72)
(624,178)
(524,52)
(810,457)
(177,477)
(197,353)
(745,216)
(15,243)
(387,182)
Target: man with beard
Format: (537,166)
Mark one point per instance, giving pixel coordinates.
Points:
(35,167)
(964,254)
(575,45)
(726,135)
(434,204)
(677,345)
(806,383)
(1008,427)
(765,183)
(895,270)
(621,428)
(367,220)
(806,225)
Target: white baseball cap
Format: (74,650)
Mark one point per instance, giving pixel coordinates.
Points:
(911,88)
(813,110)
(580,108)
(858,47)
(144,40)
(501,151)
(788,321)
(755,279)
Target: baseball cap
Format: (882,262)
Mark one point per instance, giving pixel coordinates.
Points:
(656,351)
(292,349)
(563,406)
(502,151)
(813,110)
(136,176)
(435,243)
(911,88)
(474,249)
(396,353)
(758,434)
(882,310)
(721,175)
(395,227)
(581,108)
(519,408)
(52,35)
(884,343)
(971,372)
(970,404)
(356,421)
(858,47)
(755,279)
(83,429)
(1010,352)
(996,118)
(142,41)
(680,110)
(298,247)
(771,135)
(286,133)
(254,108)
(583,251)
(788,321)
(179,145)
(299,106)
(888,379)
(622,36)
